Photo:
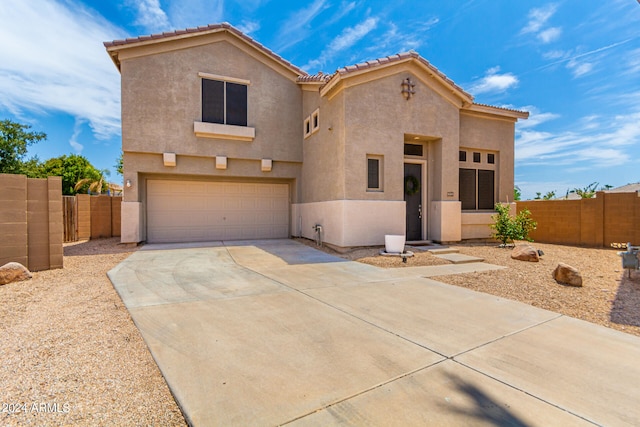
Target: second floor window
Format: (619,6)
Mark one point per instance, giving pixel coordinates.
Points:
(224,102)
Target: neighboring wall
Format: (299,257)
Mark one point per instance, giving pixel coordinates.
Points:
(31,221)
(598,222)
(93,217)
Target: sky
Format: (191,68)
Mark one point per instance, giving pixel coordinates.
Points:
(573,64)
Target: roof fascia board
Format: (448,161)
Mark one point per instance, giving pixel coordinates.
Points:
(497,113)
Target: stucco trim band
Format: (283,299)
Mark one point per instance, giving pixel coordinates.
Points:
(219,131)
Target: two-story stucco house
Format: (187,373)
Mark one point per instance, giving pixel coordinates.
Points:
(225,140)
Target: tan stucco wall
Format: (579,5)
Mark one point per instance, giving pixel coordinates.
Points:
(496,135)
(161,100)
(323,174)
(349,223)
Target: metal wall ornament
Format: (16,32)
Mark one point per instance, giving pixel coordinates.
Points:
(408,88)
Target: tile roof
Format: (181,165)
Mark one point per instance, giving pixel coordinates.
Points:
(315,78)
(401,57)
(511,110)
(212,28)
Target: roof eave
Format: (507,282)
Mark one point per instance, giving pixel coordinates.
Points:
(116,46)
(496,111)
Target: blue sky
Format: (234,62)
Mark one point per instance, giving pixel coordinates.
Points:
(573,64)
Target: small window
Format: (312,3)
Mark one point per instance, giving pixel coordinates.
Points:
(374,173)
(224,102)
(491,159)
(307,127)
(462,156)
(315,121)
(476,157)
(413,150)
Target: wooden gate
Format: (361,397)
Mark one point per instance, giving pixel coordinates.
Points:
(70,216)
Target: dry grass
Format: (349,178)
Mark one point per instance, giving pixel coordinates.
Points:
(608,296)
(68,341)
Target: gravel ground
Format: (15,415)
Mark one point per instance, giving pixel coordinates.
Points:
(608,296)
(70,352)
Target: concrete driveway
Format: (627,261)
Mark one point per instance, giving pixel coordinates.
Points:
(275,332)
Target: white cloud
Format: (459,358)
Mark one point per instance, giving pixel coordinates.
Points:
(193,13)
(549,35)
(248,27)
(77,129)
(345,40)
(294,29)
(602,143)
(579,68)
(535,117)
(537,24)
(493,82)
(555,54)
(53,60)
(150,15)
(633,62)
(395,41)
(343,10)
(538,18)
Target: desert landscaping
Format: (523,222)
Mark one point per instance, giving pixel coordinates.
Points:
(68,340)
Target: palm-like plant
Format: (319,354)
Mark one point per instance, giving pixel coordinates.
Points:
(96,185)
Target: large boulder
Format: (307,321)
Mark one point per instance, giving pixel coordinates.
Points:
(567,275)
(525,253)
(13,272)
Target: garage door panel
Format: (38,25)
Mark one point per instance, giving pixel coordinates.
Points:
(196,211)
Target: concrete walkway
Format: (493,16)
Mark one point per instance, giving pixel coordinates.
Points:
(275,332)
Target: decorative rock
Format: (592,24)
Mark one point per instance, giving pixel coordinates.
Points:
(13,272)
(525,253)
(567,275)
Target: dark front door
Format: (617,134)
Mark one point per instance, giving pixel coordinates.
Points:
(413,197)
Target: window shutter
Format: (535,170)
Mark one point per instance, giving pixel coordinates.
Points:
(467,189)
(486,187)
(236,104)
(373,173)
(212,101)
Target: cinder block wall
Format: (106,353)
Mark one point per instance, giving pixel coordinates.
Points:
(116,203)
(13,219)
(598,222)
(31,221)
(83,205)
(100,216)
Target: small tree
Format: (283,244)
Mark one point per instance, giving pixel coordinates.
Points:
(517,193)
(74,168)
(509,229)
(14,140)
(94,185)
(119,164)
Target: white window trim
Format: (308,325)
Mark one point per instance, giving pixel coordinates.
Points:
(224,78)
(315,117)
(380,159)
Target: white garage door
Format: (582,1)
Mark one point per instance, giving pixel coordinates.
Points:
(189,211)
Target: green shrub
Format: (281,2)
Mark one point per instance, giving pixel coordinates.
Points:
(508,229)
